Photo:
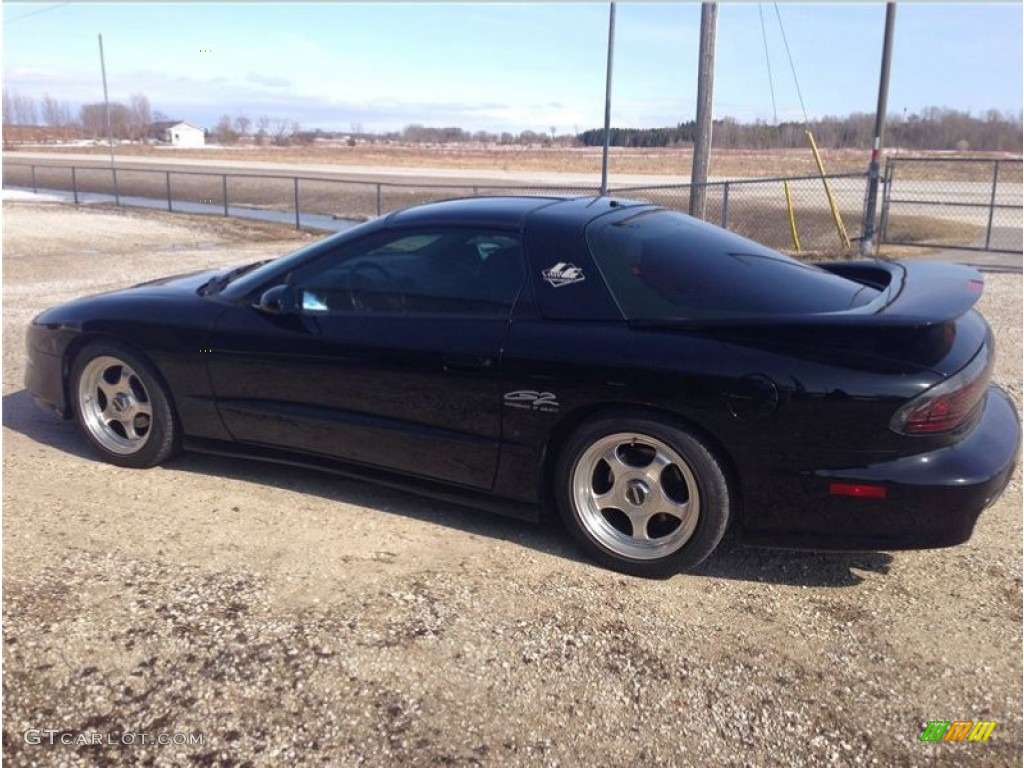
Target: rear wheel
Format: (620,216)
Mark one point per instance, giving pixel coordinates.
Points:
(641,496)
(121,406)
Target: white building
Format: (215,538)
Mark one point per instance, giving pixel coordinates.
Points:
(178,134)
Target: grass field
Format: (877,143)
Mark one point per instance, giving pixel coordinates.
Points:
(674,162)
(668,162)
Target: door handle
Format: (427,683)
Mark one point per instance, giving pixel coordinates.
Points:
(466,364)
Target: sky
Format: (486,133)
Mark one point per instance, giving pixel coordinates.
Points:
(514,66)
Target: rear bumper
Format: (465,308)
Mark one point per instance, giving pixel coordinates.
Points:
(932,499)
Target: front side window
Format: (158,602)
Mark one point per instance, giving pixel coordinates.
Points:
(660,264)
(456,271)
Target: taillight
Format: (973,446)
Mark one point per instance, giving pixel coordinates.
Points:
(949,404)
(857,490)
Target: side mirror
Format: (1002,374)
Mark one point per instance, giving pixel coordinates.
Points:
(279,300)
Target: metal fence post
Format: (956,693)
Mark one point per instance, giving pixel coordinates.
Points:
(169,207)
(883,224)
(992,206)
(725,205)
(298,224)
(224,178)
(74,185)
(34,189)
(378,200)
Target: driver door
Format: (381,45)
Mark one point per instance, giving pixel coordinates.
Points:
(388,356)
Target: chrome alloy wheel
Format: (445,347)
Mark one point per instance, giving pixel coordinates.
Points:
(115,406)
(636,496)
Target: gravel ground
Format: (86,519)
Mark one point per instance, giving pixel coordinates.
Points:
(292,618)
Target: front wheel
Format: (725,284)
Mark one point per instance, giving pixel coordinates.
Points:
(642,497)
(121,406)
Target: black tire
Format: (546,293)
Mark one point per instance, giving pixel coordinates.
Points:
(666,478)
(121,406)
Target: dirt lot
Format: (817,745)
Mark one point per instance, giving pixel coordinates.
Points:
(293,618)
(622,161)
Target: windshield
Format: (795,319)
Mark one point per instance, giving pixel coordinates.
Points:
(663,265)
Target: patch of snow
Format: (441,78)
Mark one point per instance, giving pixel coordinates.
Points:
(18,195)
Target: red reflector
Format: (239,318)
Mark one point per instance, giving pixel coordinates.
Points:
(858,490)
(975,286)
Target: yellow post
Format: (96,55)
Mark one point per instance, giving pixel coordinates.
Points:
(843,237)
(792,216)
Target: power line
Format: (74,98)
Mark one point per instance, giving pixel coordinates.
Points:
(36,13)
(768,61)
(792,67)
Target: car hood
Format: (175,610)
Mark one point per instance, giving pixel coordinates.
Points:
(187,281)
(174,294)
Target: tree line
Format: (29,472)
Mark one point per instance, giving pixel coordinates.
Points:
(424,134)
(279,131)
(932,128)
(133,121)
(127,121)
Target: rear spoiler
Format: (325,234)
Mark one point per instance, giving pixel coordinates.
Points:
(918,292)
(913,324)
(914,294)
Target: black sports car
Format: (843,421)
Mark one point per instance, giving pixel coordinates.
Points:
(654,378)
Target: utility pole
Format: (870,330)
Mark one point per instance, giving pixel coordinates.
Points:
(868,234)
(110,133)
(705,88)
(608,100)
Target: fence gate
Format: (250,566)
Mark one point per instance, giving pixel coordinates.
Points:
(964,203)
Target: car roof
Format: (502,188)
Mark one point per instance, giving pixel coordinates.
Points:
(502,211)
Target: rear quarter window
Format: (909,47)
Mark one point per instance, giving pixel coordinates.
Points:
(661,264)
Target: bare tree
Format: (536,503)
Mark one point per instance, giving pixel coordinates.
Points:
(262,129)
(8,109)
(279,128)
(224,133)
(55,114)
(141,115)
(242,124)
(120,121)
(93,120)
(21,109)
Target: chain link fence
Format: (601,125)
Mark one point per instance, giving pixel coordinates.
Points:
(964,203)
(754,208)
(758,208)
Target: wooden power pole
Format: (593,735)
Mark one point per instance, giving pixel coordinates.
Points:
(883,100)
(110,130)
(705,88)
(608,99)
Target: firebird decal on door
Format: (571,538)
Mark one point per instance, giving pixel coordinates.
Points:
(563,274)
(545,402)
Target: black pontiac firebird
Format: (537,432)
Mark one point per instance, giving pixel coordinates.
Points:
(654,378)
